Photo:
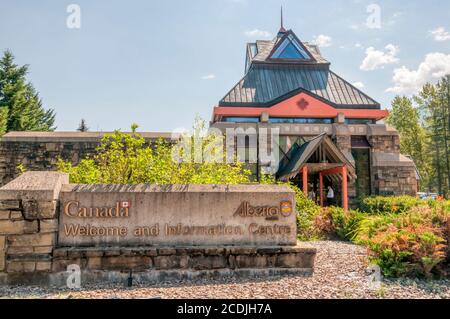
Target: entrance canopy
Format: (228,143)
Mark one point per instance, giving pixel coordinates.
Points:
(318,154)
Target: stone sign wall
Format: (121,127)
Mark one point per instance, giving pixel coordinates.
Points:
(176,215)
(156,232)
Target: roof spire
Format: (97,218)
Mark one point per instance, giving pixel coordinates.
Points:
(282,29)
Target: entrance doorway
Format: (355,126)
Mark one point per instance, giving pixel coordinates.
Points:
(315,165)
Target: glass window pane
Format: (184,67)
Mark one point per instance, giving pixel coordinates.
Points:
(241,119)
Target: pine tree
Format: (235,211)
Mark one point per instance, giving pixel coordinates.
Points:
(82,127)
(20,105)
(434,119)
(443,88)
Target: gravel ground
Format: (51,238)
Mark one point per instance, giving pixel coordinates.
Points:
(341,272)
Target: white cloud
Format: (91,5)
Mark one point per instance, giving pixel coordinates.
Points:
(359,85)
(257,33)
(322,41)
(376,59)
(435,66)
(358,45)
(208,77)
(440,34)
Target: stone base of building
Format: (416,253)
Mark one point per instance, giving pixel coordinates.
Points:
(154,265)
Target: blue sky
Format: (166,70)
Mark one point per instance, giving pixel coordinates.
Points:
(158,63)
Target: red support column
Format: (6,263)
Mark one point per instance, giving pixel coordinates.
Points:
(321,188)
(344,188)
(305,180)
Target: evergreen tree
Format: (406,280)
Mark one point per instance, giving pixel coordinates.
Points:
(83,127)
(443,88)
(434,114)
(405,118)
(20,105)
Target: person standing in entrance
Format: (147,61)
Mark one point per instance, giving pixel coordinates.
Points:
(330,196)
(312,194)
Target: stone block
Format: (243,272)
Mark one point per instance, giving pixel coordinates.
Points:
(133,252)
(39,186)
(9,204)
(48,225)
(33,209)
(112,252)
(241,250)
(252,261)
(16,266)
(48,239)
(295,260)
(59,265)
(268,250)
(126,263)
(43,250)
(94,263)
(166,251)
(57,253)
(2,242)
(151,252)
(74,254)
(93,253)
(16,215)
(215,251)
(20,250)
(4,214)
(9,227)
(171,262)
(44,266)
(208,262)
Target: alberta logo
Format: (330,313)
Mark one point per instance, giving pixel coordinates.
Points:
(247,210)
(286,208)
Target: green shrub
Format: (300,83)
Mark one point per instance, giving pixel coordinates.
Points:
(126,159)
(389,205)
(406,244)
(344,223)
(307,211)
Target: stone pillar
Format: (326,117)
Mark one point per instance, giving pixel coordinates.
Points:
(29,221)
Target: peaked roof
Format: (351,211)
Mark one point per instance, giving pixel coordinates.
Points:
(299,156)
(265,85)
(290,49)
(270,79)
(266,47)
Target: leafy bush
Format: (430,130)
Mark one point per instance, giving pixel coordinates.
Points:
(335,221)
(126,159)
(407,244)
(307,210)
(388,205)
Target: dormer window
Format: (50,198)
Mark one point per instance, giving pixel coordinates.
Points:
(290,49)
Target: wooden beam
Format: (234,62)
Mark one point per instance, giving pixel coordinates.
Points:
(321,188)
(344,188)
(332,171)
(305,180)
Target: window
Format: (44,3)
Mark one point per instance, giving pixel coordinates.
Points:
(241,119)
(290,49)
(359,121)
(280,120)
